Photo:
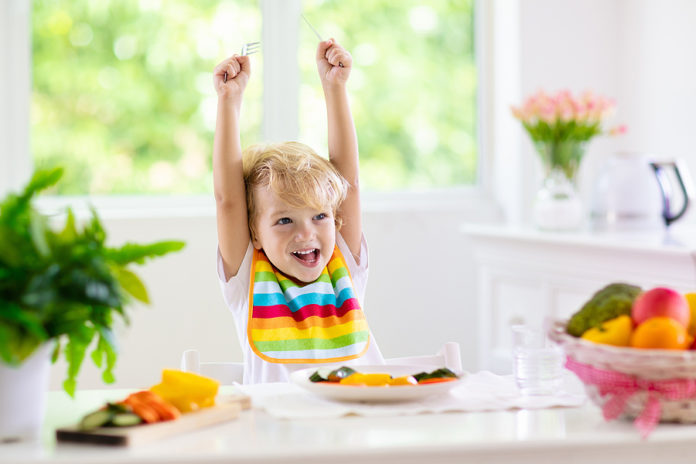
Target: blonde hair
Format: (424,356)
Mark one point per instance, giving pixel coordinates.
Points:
(294,172)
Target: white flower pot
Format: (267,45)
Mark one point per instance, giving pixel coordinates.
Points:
(23,395)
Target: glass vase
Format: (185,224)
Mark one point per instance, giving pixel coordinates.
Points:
(557,206)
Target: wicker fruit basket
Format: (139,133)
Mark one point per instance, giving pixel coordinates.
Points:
(648,385)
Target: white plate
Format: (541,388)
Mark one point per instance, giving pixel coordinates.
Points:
(374,394)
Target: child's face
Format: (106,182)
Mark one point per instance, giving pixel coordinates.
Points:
(298,241)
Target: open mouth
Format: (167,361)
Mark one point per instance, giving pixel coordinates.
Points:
(307,257)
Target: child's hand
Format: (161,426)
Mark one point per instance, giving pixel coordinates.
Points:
(230,77)
(333,63)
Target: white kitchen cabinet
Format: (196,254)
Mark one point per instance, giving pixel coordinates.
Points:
(525,275)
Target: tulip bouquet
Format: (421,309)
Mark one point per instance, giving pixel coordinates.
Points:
(560,125)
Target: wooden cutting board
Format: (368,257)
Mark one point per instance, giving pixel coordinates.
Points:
(227,407)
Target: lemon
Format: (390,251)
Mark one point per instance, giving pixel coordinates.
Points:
(691,299)
(615,332)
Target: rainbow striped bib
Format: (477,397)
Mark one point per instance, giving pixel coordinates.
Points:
(319,322)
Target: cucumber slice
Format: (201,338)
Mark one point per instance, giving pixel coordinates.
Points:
(96,419)
(118,408)
(321,375)
(125,419)
(441,373)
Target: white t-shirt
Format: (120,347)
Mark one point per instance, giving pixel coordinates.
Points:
(236,294)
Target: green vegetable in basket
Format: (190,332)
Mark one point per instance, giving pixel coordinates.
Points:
(610,302)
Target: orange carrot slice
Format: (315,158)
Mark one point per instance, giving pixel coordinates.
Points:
(437,380)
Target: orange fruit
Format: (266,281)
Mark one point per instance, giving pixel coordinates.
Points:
(662,333)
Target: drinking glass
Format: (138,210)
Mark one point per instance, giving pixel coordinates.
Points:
(537,362)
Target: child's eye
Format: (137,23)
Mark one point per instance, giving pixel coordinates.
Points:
(321,216)
(284,220)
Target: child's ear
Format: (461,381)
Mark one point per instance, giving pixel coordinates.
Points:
(257,244)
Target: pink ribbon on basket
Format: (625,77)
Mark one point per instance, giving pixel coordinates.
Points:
(620,387)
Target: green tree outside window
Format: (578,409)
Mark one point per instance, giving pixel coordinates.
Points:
(122,94)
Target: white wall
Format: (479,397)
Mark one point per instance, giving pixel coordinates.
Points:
(569,44)
(657,72)
(421,290)
(638,51)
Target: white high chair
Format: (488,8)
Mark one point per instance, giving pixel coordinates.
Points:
(228,373)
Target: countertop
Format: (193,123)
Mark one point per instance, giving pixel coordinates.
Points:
(678,239)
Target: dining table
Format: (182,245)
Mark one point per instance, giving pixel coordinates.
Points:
(258,435)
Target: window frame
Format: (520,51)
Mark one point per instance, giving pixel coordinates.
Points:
(496,51)
(15,93)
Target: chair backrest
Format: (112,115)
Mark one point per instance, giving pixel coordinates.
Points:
(448,356)
(228,373)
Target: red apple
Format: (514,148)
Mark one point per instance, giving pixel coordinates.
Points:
(659,302)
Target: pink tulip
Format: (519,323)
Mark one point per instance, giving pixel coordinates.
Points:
(618,130)
(560,108)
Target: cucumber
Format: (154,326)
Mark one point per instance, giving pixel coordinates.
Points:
(117,408)
(96,419)
(441,373)
(125,419)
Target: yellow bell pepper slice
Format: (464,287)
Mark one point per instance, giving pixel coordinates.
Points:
(186,391)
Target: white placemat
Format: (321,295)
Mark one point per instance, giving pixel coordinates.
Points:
(481,391)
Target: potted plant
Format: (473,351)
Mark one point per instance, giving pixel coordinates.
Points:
(61,289)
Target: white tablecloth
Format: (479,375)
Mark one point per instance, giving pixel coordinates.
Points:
(481,391)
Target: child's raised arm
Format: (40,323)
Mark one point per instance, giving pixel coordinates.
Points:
(334,64)
(230,78)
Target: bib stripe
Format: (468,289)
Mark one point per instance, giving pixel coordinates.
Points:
(316,354)
(270,299)
(312,343)
(312,321)
(291,292)
(325,288)
(317,332)
(319,322)
(263,312)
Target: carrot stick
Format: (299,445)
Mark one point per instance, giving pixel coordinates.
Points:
(165,410)
(145,411)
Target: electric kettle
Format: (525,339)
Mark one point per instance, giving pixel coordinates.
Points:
(633,191)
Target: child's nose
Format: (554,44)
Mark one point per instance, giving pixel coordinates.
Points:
(305,231)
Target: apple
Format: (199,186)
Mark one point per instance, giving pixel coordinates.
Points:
(661,302)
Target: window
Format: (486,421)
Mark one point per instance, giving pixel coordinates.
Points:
(123,94)
(413,89)
(123,98)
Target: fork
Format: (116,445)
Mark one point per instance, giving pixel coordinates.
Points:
(248,48)
(317,34)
